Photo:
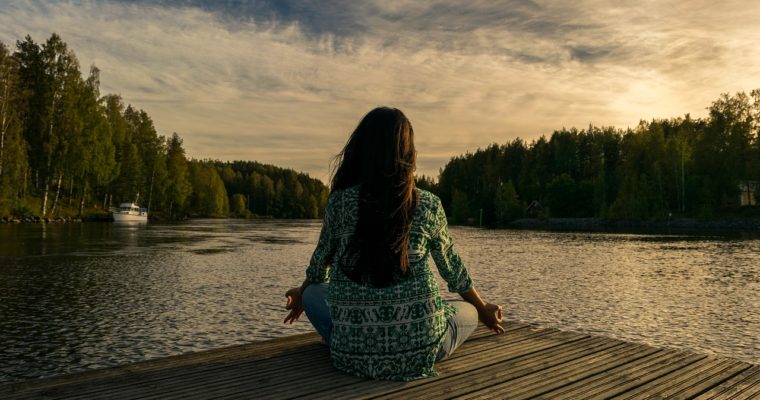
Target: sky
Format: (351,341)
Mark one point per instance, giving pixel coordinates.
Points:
(286,82)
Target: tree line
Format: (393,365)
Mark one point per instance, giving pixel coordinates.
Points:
(262,189)
(65,149)
(678,167)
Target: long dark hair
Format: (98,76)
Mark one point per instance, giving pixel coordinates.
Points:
(380,157)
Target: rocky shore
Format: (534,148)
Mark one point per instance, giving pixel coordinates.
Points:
(54,220)
(38,220)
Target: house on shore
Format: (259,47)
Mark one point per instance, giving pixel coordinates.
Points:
(748,193)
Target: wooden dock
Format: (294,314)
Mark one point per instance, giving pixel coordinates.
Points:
(525,362)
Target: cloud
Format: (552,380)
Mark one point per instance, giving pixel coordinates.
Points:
(286,82)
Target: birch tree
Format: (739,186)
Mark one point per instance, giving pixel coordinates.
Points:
(13,159)
(47,73)
(8,77)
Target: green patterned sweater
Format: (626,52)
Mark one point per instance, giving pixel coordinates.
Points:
(393,332)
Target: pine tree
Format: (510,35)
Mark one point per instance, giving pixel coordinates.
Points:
(178,188)
(506,204)
(460,207)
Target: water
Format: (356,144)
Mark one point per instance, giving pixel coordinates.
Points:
(82,296)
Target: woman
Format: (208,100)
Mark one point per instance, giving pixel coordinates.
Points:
(381,312)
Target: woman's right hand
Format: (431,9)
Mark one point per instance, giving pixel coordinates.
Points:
(490,315)
(294,304)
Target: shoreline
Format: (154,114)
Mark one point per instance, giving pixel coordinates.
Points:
(682,225)
(54,220)
(107,218)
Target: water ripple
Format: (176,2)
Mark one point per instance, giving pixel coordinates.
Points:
(76,297)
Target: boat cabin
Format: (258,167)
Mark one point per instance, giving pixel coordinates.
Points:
(127,207)
(132,208)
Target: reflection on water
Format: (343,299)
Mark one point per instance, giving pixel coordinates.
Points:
(679,291)
(84,296)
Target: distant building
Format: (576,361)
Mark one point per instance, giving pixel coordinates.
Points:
(534,208)
(748,193)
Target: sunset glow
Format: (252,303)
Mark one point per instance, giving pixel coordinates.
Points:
(284,82)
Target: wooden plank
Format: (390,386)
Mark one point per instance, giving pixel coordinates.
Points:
(625,377)
(586,386)
(682,383)
(262,374)
(323,365)
(567,355)
(333,387)
(523,337)
(256,350)
(278,370)
(526,362)
(745,385)
(270,374)
(485,373)
(451,370)
(557,376)
(341,384)
(701,384)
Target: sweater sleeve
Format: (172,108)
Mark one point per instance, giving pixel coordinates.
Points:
(319,267)
(447,260)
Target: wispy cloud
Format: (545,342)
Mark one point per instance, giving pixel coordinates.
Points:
(285,82)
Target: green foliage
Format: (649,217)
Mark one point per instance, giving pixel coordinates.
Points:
(209,197)
(13,158)
(261,188)
(426,183)
(178,186)
(22,210)
(560,195)
(567,198)
(274,191)
(544,214)
(61,143)
(507,205)
(238,207)
(460,207)
(683,166)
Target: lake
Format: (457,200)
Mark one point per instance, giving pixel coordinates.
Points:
(76,297)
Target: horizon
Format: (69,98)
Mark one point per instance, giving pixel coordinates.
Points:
(285,83)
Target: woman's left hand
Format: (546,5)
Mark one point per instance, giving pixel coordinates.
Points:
(294,304)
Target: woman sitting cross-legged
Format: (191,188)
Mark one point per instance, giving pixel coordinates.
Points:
(369,290)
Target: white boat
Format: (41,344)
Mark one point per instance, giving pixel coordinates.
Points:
(130,212)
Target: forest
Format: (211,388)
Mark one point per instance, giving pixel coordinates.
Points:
(665,168)
(67,150)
